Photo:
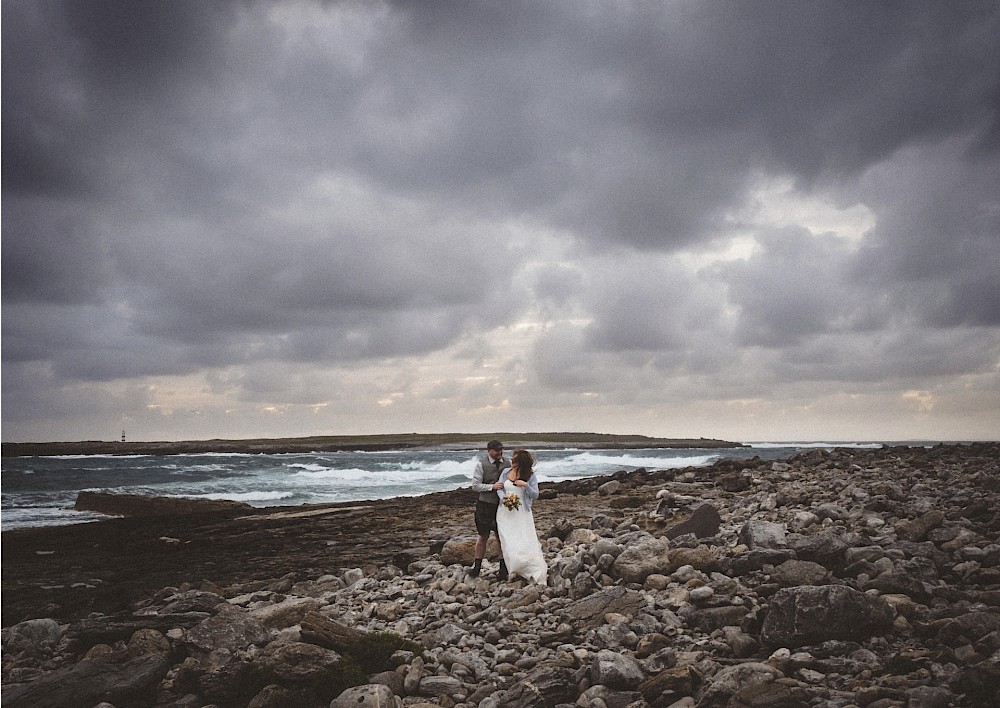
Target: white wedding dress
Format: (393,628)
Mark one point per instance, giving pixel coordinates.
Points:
(522,553)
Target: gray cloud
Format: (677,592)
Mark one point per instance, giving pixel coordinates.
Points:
(272,198)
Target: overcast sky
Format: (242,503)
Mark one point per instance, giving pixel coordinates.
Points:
(739,220)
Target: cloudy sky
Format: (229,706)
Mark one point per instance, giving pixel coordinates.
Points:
(742,220)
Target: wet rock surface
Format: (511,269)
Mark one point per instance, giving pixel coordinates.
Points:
(838,578)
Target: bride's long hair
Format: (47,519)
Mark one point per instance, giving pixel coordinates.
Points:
(525,464)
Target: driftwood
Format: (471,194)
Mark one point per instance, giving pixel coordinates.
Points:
(319,629)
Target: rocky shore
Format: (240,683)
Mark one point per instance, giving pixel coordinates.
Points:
(866,578)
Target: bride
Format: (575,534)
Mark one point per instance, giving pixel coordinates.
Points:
(522,553)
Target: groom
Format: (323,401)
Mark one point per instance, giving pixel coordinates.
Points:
(486,482)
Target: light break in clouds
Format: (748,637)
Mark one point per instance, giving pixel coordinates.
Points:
(750,220)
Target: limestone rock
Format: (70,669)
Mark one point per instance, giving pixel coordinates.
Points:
(544,686)
(701,558)
(231,629)
(272,696)
(675,681)
(36,637)
(609,488)
(285,614)
(643,559)
(704,522)
(148,641)
(296,662)
(440,686)
(770,694)
(799,572)
(822,548)
(87,683)
(368,696)
(589,612)
(462,550)
(762,534)
(720,688)
(918,529)
(813,614)
(616,670)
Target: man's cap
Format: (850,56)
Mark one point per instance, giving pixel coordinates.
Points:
(494,445)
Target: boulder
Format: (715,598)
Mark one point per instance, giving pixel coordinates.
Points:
(609,488)
(35,637)
(546,685)
(588,612)
(813,614)
(462,550)
(272,696)
(735,481)
(822,548)
(800,572)
(233,684)
(712,618)
(148,641)
(286,613)
(701,558)
(369,696)
(918,529)
(561,529)
(192,601)
(642,559)
(770,694)
(704,522)
(440,686)
(296,662)
(762,534)
(231,629)
(87,683)
(674,682)
(616,670)
(720,688)
(968,627)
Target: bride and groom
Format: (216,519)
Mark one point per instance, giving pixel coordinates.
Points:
(506,490)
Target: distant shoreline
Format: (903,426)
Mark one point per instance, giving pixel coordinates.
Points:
(364,443)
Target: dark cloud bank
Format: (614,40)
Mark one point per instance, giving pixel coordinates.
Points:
(733,211)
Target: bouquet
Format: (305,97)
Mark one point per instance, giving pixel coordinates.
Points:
(512,502)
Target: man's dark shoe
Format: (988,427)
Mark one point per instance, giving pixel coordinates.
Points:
(478,566)
(502,575)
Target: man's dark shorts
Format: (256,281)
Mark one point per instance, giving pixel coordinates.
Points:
(486,517)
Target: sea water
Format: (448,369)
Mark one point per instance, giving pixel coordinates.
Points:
(41,491)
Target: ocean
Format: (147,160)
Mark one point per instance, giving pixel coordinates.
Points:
(41,491)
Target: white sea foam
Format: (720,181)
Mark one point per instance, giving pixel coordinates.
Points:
(445,466)
(588,463)
(35,517)
(310,467)
(206,468)
(375,478)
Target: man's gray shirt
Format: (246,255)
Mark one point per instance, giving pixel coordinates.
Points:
(486,474)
